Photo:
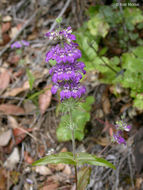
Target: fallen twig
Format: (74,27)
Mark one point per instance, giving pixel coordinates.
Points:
(20,31)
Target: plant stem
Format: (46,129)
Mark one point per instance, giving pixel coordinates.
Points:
(73,145)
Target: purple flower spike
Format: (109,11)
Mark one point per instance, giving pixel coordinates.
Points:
(16,45)
(25,43)
(119,139)
(61,35)
(67,73)
(19,44)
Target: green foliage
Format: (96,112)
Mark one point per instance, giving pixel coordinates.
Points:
(133,15)
(85,158)
(98,26)
(31,78)
(138,102)
(125,69)
(67,158)
(80,115)
(52,62)
(63,157)
(59,20)
(83,177)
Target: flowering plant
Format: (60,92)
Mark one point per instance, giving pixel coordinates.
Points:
(66,76)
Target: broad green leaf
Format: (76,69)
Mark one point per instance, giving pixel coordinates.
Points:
(80,115)
(133,36)
(31,78)
(103,51)
(133,15)
(63,157)
(85,158)
(115,60)
(83,178)
(79,118)
(87,104)
(98,26)
(138,101)
(138,51)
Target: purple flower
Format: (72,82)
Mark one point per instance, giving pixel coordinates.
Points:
(67,72)
(118,138)
(63,55)
(61,35)
(20,44)
(120,127)
(16,45)
(127,128)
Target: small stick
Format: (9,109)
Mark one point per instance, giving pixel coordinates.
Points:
(20,31)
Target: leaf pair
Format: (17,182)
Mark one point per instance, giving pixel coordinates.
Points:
(67,158)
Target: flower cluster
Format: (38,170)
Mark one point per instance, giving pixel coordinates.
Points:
(61,35)
(67,72)
(20,44)
(120,126)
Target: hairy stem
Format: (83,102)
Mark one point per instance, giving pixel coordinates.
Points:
(73,145)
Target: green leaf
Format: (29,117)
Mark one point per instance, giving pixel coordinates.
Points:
(85,158)
(80,115)
(103,51)
(138,101)
(52,62)
(19,51)
(133,36)
(133,15)
(83,178)
(138,51)
(62,157)
(98,26)
(59,20)
(31,78)
(87,104)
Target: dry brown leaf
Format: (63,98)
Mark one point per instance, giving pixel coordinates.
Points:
(12,122)
(29,106)
(45,100)
(43,170)
(16,91)
(5,138)
(67,170)
(139,181)
(103,141)
(20,133)
(4,80)
(53,186)
(125,107)
(14,32)
(2,179)
(28,158)
(13,59)
(7,18)
(8,149)
(5,27)
(13,159)
(11,109)
(106,104)
(6,38)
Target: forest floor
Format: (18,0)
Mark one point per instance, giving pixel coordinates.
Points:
(28,118)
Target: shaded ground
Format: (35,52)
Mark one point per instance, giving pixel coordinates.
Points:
(28,121)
